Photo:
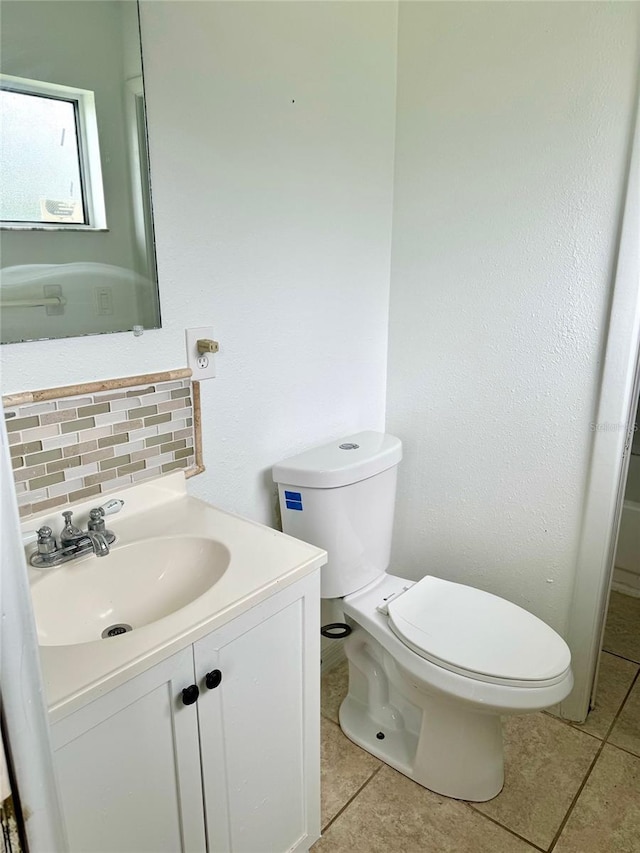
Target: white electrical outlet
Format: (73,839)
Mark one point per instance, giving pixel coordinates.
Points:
(201,363)
(104,301)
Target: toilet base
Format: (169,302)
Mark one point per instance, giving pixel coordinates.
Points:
(445,746)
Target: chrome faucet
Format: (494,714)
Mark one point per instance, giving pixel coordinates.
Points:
(75,542)
(99,542)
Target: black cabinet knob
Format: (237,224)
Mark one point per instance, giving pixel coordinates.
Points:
(212,679)
(190,694)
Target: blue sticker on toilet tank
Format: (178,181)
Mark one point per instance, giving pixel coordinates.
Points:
(293,500)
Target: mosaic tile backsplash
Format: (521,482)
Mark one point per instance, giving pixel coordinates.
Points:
(72,448)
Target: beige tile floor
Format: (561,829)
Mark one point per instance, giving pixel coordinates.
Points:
(569,788)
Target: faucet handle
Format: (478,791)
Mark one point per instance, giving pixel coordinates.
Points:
(96,520)
(46,541)
(112,506)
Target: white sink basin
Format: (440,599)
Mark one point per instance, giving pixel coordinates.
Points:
(134,585)
(178,570)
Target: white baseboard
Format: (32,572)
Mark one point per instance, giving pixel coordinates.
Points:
(626,582)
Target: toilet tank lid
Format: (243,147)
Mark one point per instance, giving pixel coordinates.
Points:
(341,462)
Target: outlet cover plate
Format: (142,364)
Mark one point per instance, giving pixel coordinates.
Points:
(203,366)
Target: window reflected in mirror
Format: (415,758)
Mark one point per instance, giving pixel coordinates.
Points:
(76,226)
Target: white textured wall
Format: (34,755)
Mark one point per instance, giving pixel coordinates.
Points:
(513,131)
(271,136)
(273,223)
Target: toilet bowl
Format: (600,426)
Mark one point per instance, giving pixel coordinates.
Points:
(430,718)
(433,665)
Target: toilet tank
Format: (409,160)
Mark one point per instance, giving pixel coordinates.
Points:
(341,497)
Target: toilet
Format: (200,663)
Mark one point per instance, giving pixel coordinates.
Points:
(433,665)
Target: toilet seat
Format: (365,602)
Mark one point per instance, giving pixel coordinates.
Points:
(477,634)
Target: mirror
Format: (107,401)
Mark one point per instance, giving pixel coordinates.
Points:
(78,255)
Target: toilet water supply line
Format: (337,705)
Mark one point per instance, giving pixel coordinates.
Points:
(335,630)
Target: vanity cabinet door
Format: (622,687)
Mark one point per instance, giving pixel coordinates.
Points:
(260,725)
(128,766)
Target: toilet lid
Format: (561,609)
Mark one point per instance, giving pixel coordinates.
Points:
(471,631)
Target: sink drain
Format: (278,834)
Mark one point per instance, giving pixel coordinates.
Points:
(115,630)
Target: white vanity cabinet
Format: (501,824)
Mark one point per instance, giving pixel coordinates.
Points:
(128,766)
(236,771)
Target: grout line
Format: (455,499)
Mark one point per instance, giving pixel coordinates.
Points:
(617,655)
(531,844)
(603,743)
(622,704)
(623,749)
(469,805)
(636,680)
(576,797)
(576,727)
(349,801)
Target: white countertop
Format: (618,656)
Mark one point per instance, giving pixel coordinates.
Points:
(262,561)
